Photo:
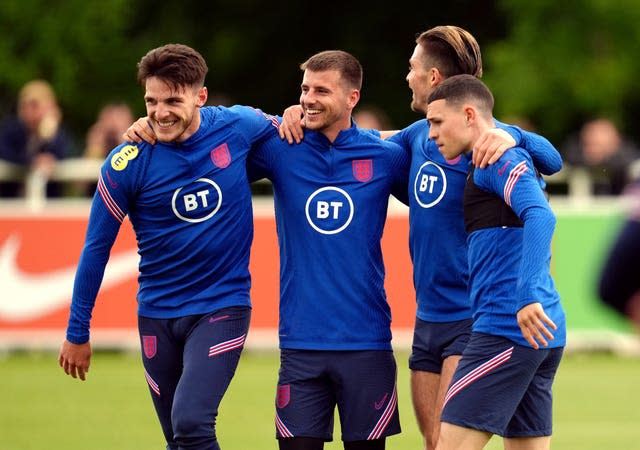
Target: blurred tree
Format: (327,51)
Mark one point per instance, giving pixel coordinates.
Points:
(81,47)
(563,62)
(554,63)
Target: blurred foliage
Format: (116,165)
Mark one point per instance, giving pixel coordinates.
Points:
(565,62)
(82,50)
(554,63)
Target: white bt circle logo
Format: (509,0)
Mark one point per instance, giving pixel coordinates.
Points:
(329,210)
(198,201)
(430,185)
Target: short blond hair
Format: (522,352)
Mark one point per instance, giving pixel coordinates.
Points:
(39,90)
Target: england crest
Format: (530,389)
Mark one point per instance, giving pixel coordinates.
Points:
(221,156)
(150,346)
(362,169)
(283,395)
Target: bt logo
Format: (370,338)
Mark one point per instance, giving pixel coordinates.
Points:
(197,202)
(429,185)
(329,210)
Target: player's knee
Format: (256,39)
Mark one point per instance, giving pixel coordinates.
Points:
(198,443)
(192,431)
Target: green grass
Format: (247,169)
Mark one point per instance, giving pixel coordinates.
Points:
(597,405)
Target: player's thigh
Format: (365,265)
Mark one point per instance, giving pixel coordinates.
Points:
(533,416)
(489,383)
(528,443)
(449,367)
(211,354)
(161,356)
(424,392)
(162,362)
(433,342)
(454,437)
(367,397)
(305,398)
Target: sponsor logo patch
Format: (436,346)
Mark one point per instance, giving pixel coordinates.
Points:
(329,210)
(220,156)
(120,160)
(362,169)
(429,185)
(198,201)
(150,346)
(283,395)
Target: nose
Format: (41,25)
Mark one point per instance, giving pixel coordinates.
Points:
(432,133)
(307,98)
(161,111)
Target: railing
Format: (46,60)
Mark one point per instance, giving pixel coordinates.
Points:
(35,183)
(575,181)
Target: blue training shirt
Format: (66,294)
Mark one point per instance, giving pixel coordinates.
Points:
(437,239)
(331,204)
(510,265)
(190,207)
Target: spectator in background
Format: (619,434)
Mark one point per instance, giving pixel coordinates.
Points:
(605,153)
(106,133)
(34,139)
(372,117)
(619,283)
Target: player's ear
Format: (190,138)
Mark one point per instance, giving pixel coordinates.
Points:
(435,77)
(470,114)
(354,98)
(201,96)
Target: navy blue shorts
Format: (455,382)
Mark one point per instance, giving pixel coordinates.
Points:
(433,342)
(361,383)
(503,388)
(189,362)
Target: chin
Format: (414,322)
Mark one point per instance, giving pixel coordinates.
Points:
(313,125)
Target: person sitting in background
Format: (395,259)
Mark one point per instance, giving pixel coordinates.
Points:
(603,151)
(34,139)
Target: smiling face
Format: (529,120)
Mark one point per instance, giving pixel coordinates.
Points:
(174,111)
(327,102)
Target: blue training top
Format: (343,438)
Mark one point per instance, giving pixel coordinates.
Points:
(331,204)
(437,239)
(510,254)
(190,206)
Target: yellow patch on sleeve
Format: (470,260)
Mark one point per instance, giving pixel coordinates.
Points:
(120,160)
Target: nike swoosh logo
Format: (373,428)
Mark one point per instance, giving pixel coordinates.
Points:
(503,168)
(380,404)
(28,296)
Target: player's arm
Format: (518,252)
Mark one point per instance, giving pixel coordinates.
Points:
(140,130)
(528,201)
(254,124)
(292,124)
(493,143)
(260,159)
(107,214)
(519,187)
(400,163)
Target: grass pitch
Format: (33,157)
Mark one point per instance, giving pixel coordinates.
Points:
(597,405)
